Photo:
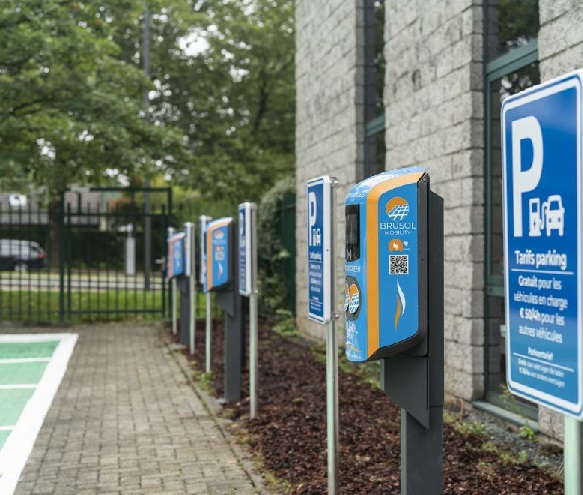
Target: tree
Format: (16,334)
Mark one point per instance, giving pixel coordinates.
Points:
(224,74)
(72,109)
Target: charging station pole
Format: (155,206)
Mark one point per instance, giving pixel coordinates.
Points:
(417,383)
(222,257)
(322,301)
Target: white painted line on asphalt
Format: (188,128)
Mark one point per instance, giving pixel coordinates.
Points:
(18,446)
(24,360)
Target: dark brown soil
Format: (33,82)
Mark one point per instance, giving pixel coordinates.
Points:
(289,436)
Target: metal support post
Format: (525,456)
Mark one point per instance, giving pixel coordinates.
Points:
(189,228)
(415,382)
(253,346)
(174,290)
(332,367)
(234,332)
(572,457)
(185,310)
(208,332)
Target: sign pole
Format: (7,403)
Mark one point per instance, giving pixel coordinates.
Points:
(572,457)
(173,289)
(332,365)
(203,220)
(253,345)
(322,301)
(208,332)
(250,237)
(189,227)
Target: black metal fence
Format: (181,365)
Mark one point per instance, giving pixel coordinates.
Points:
(94,255)
(83,258)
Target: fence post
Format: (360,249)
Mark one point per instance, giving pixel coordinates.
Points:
(61,256)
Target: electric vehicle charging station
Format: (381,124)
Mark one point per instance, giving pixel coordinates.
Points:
(321,299)
(393,309)
(181,270)
(203,221)
(177,255)
(248,287)
(222,257)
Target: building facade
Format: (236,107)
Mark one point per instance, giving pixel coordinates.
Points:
(384,85)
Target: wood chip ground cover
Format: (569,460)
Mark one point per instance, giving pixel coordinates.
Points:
(289,436)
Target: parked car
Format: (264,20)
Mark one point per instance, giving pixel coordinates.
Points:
(21,256)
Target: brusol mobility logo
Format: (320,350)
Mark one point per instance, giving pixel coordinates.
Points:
(397,208)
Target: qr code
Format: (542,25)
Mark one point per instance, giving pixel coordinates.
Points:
(399,264)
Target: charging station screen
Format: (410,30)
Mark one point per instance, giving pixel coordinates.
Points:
(352,233)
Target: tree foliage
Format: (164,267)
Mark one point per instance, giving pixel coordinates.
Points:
(72,108)
(221,112)
(230,87)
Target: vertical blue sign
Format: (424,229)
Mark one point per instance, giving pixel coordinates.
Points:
(318,208)
(204,220)
(243,279)
(541,152)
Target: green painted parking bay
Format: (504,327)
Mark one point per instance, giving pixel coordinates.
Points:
(12,402)
(31,369)
(21,373)
(18,350)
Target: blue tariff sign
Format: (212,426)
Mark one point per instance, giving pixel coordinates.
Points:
(319,285)
(541,152)
(176,261)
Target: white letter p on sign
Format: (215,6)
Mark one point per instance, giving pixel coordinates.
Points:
(525,180)
(312,215)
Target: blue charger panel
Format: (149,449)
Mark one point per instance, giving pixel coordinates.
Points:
(219,254)
(386,264)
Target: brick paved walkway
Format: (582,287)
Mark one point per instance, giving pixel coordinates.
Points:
(126,421)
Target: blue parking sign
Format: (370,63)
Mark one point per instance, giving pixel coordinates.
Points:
(541,152)
(247,248)
(319,263)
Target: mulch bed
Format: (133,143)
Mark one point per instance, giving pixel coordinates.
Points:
(289,436)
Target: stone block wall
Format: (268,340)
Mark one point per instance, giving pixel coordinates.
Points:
(434,114)
(328,121)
